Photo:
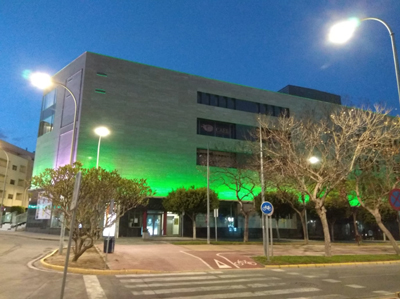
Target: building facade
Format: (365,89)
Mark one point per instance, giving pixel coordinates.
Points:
(161,123)
(14,180)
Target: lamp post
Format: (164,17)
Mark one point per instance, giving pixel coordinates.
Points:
(343,31)
(44,81)
(102,132)
(4,189)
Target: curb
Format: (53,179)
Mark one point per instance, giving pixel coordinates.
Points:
(93,271)
(332,264)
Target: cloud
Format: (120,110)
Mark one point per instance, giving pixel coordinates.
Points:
(325,66)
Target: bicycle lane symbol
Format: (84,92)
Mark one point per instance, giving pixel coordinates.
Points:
(239,261)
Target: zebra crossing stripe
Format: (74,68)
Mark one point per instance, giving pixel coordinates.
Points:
(170,284)
(250,294)
(168,274)
(93,287)
(188,290)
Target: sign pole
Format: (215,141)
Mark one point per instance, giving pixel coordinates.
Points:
(271,236)
(267,209)
(110,212)
(208,194)
(266,236)
(73,209)
(216,218)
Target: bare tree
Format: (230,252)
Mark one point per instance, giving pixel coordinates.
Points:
(337,140)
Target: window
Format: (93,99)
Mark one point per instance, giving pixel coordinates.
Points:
(47,114)
(241,105)
(216,158)
(12,182)
(101,74)
(10,196)
(215,128)
(3,162)
(19,196)
(21,183)
(14,167)
(102,91)
(2,178)
(22,168)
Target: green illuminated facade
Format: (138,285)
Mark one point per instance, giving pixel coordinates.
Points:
(160,120)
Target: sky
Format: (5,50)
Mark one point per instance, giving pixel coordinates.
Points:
(265,44)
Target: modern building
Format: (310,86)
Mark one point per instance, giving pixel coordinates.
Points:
(15,174)
(161,123)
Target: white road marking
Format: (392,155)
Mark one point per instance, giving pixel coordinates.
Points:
(333,296)
(331,280)
(152,285)
(355,286)
(251,294)
(168,279)
(198,259)
(218,254)
(166,274)
(278,270)
(309,276)
(189,290)
(222,265)
(93,287)
(383,292)
(263,285)
(293,273)
(240,275)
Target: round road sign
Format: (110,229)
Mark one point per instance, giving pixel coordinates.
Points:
(267,208)
(394,199)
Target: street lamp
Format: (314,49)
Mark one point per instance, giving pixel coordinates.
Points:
(44,81)
(343,31)
(313,160)
(4,189)
(102,132)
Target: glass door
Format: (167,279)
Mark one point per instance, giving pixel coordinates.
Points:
(154,224)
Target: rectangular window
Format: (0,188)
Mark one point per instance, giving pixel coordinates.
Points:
(19,196)
(47,113)
(215,128)
(10,196)
(2,177)
(14,167)
(213,100)
(21,183)
(46,125)
(222,102)
(205,98)
(49,99)
(12,182)
(22,168)
(3,162)
(247,106)
(216,158)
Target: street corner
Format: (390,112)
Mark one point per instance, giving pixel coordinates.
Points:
(225,260)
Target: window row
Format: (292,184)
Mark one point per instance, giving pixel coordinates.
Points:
(224,159)
(225,130)
(3,163)
(241,105)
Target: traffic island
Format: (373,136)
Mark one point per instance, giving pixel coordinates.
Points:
(323,261)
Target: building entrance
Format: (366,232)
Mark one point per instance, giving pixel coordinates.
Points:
(154,224)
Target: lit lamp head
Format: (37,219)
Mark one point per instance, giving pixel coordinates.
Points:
(102,131)
(313,160)
(41,80)
(343,31)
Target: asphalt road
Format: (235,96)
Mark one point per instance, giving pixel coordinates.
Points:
(18,280)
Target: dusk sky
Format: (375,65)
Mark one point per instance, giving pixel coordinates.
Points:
(264,44)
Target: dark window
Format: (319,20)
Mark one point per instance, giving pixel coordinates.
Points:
(269,110)
(100,91)
(10,196)
(215,128)
(277,111)
(247,106)
(101,74)
(246,133)
(222,102)
(14,167)
(216,158)
(12,182)
(205,98)
(230,103)
(213,100)
(47,113)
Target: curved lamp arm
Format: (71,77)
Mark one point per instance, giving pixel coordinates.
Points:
(395,58)
(74,123)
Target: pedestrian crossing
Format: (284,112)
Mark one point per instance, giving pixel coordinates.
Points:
(216,285)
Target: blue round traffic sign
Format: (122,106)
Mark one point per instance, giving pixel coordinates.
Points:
(267,208)
(394,199)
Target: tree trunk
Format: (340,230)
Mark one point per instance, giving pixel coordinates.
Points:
(357,236)
(303,224)
(194,226)
(378,219)
(327,238)
(246,227)
(277,229)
